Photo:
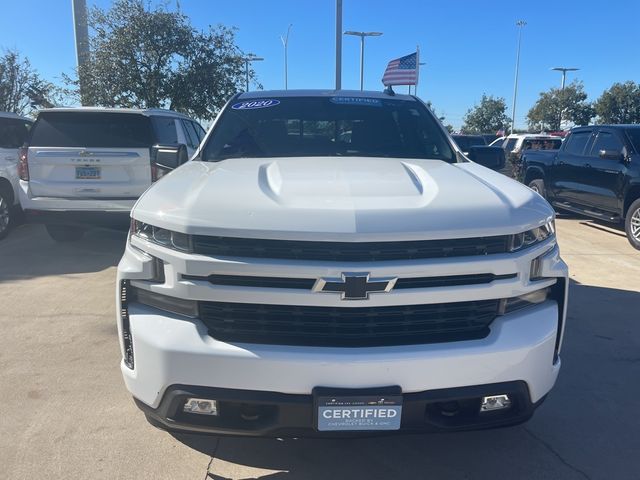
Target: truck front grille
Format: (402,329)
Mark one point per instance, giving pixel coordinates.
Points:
(349,251)
(350,326)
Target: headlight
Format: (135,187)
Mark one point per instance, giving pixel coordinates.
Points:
(533,236)
(513,304)
(161,236)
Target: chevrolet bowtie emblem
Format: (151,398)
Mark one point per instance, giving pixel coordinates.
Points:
(354,286)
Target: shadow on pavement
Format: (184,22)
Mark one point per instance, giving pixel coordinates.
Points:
(29,252)
(587,428)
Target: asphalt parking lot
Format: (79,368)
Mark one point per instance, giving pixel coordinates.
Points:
(65,412)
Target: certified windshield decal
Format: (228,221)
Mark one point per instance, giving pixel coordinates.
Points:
(253,104)
(371,102)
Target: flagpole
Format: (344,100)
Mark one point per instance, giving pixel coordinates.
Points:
(415,89)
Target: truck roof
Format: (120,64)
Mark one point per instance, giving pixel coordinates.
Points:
(323,93)
(14,116)
(609,125)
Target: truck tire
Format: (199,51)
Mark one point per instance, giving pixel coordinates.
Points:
(65,233)
(537,186)
(6,213)
(632,224)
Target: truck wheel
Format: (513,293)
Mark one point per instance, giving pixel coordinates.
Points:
(537,186)
(65,233)
(632,224)
(6,214)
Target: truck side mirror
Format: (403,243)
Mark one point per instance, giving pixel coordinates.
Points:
(490,157)
(169,157)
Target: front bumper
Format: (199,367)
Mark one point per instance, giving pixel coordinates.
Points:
(285,415)
(171,351)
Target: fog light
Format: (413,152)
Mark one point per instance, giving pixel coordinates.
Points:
(201,406)
(495,402)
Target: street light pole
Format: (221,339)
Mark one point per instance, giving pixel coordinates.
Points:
(519,24)
(564,71)
(362,35)
(81,31)
(285,43)
(338,44)
(247,60)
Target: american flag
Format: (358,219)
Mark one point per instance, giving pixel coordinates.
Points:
(402,71)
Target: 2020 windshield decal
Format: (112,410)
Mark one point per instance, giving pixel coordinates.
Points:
(253,104)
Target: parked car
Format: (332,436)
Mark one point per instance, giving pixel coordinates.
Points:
(596,172)
(514,145)
(284,282)
(88,166)
(13,132)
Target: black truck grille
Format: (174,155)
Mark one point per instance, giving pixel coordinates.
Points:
(348,327)
(349,251)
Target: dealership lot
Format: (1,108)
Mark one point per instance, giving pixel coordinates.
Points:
(67,414)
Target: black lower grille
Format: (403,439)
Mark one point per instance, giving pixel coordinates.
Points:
(349,251)
(348,327)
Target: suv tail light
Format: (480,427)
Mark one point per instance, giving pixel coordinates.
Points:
(23,164)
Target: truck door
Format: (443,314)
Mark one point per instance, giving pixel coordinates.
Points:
(566,174)
(604,172)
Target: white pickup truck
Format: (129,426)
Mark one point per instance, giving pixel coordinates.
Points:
(330,263)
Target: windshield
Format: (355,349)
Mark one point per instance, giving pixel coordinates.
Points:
(465,142)
(327,126)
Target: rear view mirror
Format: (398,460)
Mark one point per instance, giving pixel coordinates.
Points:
(490,157)
(610,154)
(170,156)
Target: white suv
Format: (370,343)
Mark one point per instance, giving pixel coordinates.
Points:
(13,133)
(88,166)
(330,262)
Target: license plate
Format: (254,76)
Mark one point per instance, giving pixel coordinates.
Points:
(358,412)
(87,173)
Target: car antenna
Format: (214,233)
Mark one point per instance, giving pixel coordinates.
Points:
(389,91)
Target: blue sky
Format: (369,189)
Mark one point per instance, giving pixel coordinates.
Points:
(468,46)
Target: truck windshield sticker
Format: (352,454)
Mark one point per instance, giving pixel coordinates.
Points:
(252,104)
(372,102)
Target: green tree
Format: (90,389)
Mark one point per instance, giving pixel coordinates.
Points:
(556,106)
(619,104)
(486,117)
(21,87)
(154,58)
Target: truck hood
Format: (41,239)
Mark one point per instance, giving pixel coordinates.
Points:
(340,199)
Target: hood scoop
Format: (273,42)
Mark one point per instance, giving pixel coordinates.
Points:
(344,182)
